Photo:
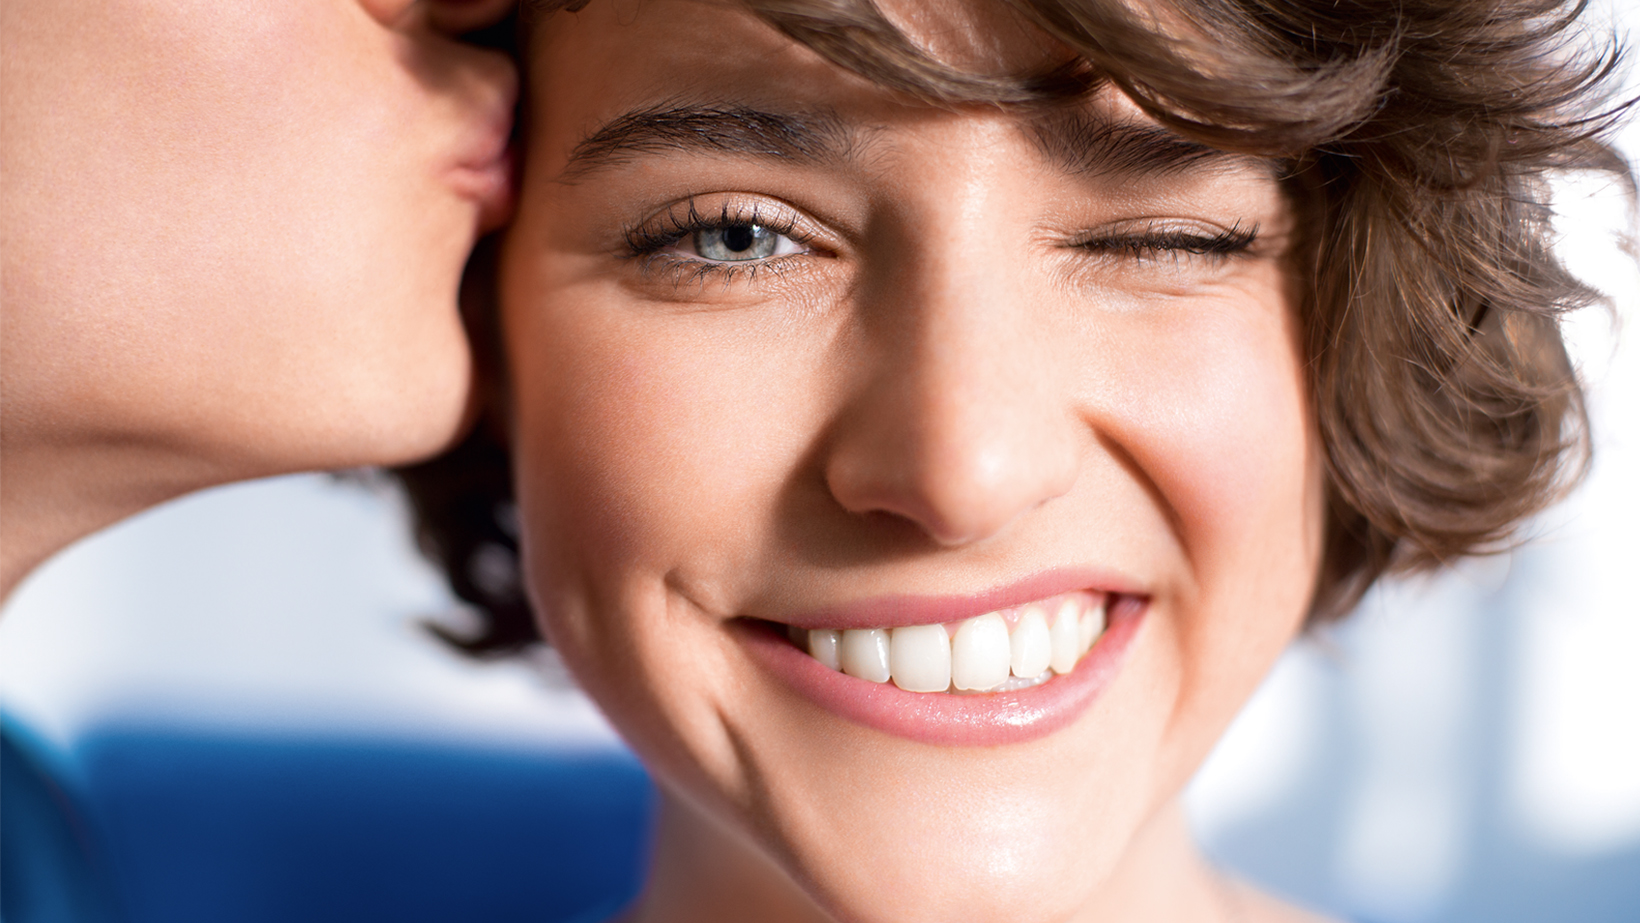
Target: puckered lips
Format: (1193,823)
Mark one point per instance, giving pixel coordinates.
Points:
(1006,666)
(483,164)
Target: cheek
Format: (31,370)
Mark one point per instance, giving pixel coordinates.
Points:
(1229,442)
(1232,440)
(652,452)
(640,439)
(652,445)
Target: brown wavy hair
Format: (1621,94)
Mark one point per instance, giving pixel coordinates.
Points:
(1416,138)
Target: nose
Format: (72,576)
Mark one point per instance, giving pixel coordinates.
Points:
(963,422)
(451,17)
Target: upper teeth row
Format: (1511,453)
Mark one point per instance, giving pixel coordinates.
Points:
(979,656)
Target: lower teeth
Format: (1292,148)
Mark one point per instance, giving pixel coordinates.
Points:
(1010,684)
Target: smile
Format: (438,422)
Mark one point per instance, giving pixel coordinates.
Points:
(999,651)
(1005,666)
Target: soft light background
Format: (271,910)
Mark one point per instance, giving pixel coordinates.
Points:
(1464,749)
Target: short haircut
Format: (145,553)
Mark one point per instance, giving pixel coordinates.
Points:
(1415,137)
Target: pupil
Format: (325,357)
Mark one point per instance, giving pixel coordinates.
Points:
(740,237)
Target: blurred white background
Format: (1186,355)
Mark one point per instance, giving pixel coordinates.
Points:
(1463,748)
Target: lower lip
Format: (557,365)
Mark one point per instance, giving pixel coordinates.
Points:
(986,720)
(488,180)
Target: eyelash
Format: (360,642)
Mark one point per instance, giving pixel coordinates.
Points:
(1153,243)
(650,244)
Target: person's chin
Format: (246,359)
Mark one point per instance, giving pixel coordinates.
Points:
(879,827)
(949,858)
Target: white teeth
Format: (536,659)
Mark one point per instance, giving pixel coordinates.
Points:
(1012,684)
(1066,637)
(1030,646)
(979,653)
(921,658)
(1090,627)
(826,646)
(983,654)
(864,654)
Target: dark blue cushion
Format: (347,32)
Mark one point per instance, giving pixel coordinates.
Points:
(50,869)
(210,826)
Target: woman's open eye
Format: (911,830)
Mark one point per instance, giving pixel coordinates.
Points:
(736,243)
(734,236)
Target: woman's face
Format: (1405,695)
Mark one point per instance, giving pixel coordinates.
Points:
(791,353)
(234,231)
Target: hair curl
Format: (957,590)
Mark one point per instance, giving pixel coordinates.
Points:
(1417,136)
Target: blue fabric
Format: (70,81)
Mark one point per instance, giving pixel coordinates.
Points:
(49,868)
(214,828)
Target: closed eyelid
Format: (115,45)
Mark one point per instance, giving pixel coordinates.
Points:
(1235,238)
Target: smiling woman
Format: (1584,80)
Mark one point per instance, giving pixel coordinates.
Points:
(930,425)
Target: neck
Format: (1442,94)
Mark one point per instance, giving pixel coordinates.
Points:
(54,492)
(1163,877)
(703,872)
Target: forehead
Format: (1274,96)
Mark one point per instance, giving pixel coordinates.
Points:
(698,41)
(620,79)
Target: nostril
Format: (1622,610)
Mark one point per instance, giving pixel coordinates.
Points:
(963,425)
(390,13)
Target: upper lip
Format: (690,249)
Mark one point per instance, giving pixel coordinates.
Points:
(488,141)
(484,169)
(896,611)
(490,125)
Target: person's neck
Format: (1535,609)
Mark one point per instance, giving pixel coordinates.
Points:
(702,872)
(54,491)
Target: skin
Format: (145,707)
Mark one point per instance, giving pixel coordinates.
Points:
(232,236)
(936,390)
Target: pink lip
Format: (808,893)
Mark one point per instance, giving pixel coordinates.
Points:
(895,611)
(484,170)
(490,184)
(955,720)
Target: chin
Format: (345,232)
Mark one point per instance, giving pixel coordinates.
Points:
(394,418)
(1007,855)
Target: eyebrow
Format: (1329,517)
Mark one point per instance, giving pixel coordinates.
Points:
(1076,142)
(807,138)
(1084,144)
